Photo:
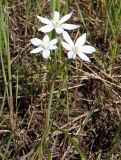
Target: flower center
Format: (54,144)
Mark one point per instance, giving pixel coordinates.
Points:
(74,49)
(57,24)
(45,45)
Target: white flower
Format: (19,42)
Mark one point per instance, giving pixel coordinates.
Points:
(56,23)
(78,48)
(44,46)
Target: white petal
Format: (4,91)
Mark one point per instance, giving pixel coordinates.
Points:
(53,47)
(65,18)
(46,28)
(83,57)
(37,50)
(36,41)
(66,46)
(81,40)
(67,38)
(56,16)
(52,42)
(88,49)
(44,20)
(59,30)
(69,26)
(46,38)
(71,55)
(46,54)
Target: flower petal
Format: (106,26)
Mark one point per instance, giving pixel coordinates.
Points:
(44,20)
(69,26)
(59,30)
(36,41)
(66,46)
(52,47)
(46,28)
(56,16)
(46,54)
(46,38)
(71,55)
(65,18)
(37,50)
(83,56)
(88,49)
(81,40)
(67,38)
(52,42)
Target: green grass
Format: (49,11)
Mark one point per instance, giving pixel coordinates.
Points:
(113,10)
(5,47)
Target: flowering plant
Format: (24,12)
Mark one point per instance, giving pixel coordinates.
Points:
(45,46)
(57,23)
(78,48)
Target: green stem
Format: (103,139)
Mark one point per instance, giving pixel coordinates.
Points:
(38,153)
(49,104)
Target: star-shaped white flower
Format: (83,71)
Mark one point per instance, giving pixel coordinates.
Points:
(44,46)
(57,23)
(77,48)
